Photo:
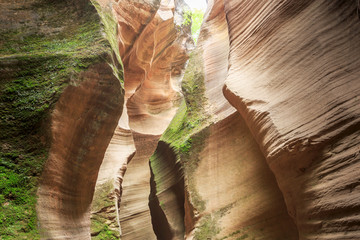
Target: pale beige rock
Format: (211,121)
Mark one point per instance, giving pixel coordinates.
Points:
(120,150)
(239,190)
(285,166)
(154,50)
(156,58)
(135,216)
(294,76)
(229,191)
(214,42)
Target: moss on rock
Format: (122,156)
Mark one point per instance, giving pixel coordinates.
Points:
(36,66)
(186,135)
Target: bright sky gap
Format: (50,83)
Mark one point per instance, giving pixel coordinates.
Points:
(197,4)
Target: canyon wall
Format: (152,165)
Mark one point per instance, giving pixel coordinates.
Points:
(295,80)
(60,102)
(252,134)
(153,44)
(82,125)
(211,180)
(293,76)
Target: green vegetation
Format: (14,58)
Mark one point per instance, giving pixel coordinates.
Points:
(191,116)
(35,68)
(101,196)
(101,230)
(188,127)
(186,135)
(110,29)
(194,18)
(103,200)
(207,228)
(99,220)
(243,234)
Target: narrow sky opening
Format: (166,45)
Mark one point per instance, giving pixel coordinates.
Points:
(197,4)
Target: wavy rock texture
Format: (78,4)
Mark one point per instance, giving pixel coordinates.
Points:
(264,145)
(152,66)
(42,52)
(294,77)
(153,46)
(135,216)
(108,190)
(82,125)
(211,180)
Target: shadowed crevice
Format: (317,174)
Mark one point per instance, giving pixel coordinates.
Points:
(167,196)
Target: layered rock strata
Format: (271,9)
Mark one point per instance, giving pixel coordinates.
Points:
(264,145)
(43,52)
(206,158)
(153,45)
(82,125)
(295,79)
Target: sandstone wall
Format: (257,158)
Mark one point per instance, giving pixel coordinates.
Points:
(82,125)
(258,138)
(294,77)
(153,45)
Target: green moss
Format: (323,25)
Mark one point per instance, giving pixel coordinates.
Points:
(35,69)
(101,231)
(191,116)
(243,237)
(245,233)
(103,201)
(101,196)
(188,127)
(110,28)
(207,229)
(188,130)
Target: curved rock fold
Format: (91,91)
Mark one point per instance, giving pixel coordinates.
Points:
(257,138)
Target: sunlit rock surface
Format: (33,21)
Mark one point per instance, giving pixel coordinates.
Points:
(255,137)
(83,122)
(294,77)
(211,179)
(153,45)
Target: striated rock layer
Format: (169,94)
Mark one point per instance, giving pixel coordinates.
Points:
(134,210)
(82,125)
(265,144)
(294,77)
(210,178)
(153,45)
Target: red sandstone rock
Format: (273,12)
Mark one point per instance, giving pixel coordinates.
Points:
(154,49)
(284,166)
(83,122)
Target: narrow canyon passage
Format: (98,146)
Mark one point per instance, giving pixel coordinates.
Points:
(153,65)
(251,134)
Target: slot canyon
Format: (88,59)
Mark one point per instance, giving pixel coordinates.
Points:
(118,122)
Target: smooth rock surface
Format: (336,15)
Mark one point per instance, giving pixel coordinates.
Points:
(153,45)
(229,190)
(83,122)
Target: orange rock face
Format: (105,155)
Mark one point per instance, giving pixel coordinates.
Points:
(265,144)
(204,186)
(82,125)
(152,68)
(293,76)
(153,46)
